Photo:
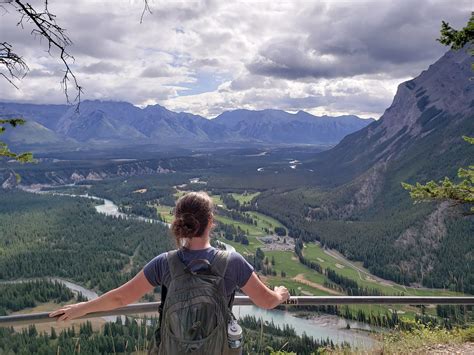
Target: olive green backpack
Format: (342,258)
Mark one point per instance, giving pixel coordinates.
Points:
(195,313)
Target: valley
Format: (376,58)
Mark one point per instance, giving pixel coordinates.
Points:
(321,217)
(239,224)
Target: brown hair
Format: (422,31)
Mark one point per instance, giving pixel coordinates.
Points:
(192,214)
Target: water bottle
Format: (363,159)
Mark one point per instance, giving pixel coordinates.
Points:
(234,337)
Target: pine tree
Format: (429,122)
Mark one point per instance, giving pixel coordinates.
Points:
(53,334)
(459,193)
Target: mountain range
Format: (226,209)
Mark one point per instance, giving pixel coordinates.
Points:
(109,122)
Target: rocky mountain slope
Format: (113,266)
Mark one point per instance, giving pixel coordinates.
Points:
(427,119)
(418,138)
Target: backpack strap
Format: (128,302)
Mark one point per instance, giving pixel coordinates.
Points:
(231,301)
(219,266)
(163,291)
(220,262)
(176,267)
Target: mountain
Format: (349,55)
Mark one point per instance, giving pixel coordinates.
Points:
(172,127)
(109,122)
(39,127)
(419,131)
(46,115)
(357,204)
(99,121)
(283,127)
(31,132)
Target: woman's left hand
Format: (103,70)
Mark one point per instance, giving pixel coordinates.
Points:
(70,311)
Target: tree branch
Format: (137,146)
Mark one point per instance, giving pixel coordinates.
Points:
(13,63)
(55,35)
(26,157)
(146,8)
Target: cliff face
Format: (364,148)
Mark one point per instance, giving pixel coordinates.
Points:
(439,100)
(54,173)
(445,86)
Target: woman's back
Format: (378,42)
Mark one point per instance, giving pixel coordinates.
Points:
(192,225)
(237,273)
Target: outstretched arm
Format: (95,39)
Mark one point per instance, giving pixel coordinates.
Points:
(128,293)
(262,296)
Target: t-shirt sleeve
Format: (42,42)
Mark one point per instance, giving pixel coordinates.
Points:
(154,269)
(240,269)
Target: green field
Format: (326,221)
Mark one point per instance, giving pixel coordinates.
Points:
(217,200)
(252,230)
(165,212)
(254,243)
(264,221)
(314,252)
(179,193)
(245,198)
(305,290)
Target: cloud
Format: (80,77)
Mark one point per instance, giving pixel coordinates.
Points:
(207,56)
(353,38)
(205,62)
(99,67)
(160,71)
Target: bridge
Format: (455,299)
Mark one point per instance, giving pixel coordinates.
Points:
(152,307)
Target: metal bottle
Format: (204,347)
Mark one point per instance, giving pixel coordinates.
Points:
(234,337)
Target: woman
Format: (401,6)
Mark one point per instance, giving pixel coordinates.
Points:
(192,224)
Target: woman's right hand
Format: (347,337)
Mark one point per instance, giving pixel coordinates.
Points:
(282,291)
(263,296)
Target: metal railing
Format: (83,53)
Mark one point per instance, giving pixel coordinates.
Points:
(152,307)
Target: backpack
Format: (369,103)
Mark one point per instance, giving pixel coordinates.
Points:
(195,313)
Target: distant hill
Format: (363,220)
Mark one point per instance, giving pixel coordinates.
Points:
(115,123)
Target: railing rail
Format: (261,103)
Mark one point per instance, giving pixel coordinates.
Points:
(152,307)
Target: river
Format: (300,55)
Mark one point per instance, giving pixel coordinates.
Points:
(319,327)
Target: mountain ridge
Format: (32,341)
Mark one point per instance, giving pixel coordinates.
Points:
(122,122)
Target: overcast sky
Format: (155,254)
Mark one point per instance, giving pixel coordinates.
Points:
(206,57)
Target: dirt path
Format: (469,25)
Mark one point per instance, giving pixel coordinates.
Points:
(342,259)
(129,266)
(300,278)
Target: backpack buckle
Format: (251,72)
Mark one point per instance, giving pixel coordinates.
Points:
(194,262)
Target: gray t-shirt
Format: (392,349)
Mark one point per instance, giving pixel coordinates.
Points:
(237,274)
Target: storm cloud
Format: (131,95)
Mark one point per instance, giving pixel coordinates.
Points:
(208,56)
(353,38)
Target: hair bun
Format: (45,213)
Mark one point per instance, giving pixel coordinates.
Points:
(192,215)
(186,225)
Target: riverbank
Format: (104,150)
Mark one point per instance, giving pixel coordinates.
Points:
(317,326)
